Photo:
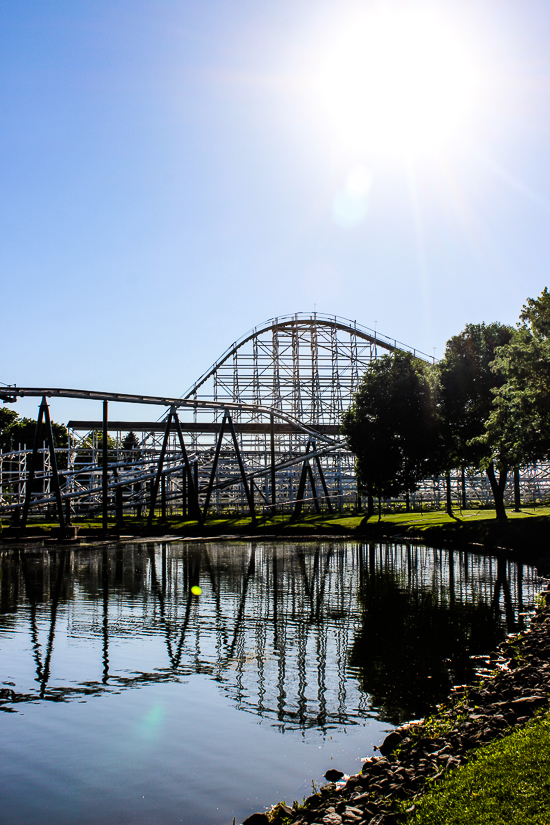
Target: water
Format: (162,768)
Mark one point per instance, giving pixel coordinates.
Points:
(127,699)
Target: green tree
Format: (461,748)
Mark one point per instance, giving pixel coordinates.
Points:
(392,426)
(467,384)
(7,417)
(519,424)
(131,446)
(20,431)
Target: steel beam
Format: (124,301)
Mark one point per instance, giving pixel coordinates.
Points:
(105,466)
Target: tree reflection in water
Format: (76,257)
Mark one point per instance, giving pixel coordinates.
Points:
(415,642)
(303,635)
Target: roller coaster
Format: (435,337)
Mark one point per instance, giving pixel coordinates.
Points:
(258,432)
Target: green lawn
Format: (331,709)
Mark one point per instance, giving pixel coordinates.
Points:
(505,783)
(413,523)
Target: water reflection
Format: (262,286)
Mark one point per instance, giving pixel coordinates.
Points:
(416,640)
(312,635)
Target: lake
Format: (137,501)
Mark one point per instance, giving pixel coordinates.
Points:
(191,682)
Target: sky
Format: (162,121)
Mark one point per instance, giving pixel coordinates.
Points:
(174,173)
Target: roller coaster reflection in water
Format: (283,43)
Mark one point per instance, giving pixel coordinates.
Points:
(309,635)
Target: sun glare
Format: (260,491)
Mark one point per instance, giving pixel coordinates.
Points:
(399,82)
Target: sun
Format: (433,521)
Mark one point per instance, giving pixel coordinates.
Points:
(396,82)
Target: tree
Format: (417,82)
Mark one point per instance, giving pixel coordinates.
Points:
(7,417)
(131,446)
(467,383)
(519,424)
(18,433)
(392,426)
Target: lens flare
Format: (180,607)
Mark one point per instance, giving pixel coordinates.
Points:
(351,203)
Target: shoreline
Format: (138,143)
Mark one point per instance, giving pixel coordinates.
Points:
(525,539)
(420,753)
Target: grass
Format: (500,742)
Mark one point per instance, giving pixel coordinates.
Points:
(504,783)
(527,529)
(440,517)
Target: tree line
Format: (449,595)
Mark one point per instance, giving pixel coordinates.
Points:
(484,406)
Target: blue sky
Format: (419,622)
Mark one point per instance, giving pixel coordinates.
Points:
(171,176)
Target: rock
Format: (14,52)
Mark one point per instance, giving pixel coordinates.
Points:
(390,743)
(282,810)
(333,775)
(352,810)
(332,819)
(257,819)
(527,702)
(361,799)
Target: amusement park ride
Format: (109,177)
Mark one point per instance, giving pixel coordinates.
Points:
(258,432)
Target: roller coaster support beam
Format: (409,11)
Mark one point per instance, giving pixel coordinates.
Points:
(313,487)
(163,495)
(302,485)
(214,465)
(105,467)
(323,482)
(272,450)
(155,487)
(43,417)
(192,488)
(248,490)
(184,493)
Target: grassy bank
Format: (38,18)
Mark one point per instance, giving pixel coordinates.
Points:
(504,783)
(527,530)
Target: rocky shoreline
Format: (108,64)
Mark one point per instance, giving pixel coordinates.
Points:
(515,685)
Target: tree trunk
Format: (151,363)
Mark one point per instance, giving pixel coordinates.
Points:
(463,481)
(497,487)
(448,494)
(370,505)
(407,502)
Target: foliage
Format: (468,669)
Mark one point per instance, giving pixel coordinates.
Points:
(505,783)
(15,431)
(391,426)
(519,424)
(130,444)
(7,417)
(467,382)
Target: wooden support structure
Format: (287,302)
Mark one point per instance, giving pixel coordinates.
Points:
(247,490)
(302,485)
(214,466)
(324,484)
(193,488)
(44,419)
(272,457)
(155,487)
(105,466)
(193,496)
